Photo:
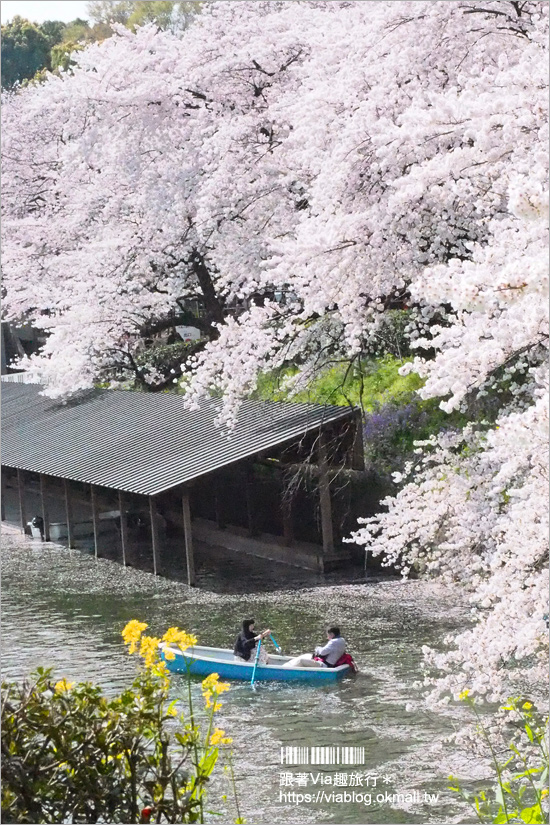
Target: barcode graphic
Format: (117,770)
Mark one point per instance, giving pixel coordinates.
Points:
(323,756)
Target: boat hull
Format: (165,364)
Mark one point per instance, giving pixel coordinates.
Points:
(204,661)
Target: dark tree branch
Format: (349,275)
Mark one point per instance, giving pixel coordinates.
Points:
(213,304)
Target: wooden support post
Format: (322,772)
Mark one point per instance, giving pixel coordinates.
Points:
(123,525)
(68,514)
(154,531)
(45,511)
(188,534)
(249,494)
(324,496)
(3,496)
(95,520)
(218,498)
(358,449)
(22,508)
(286,511)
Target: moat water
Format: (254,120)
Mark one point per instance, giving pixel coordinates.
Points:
(64,609)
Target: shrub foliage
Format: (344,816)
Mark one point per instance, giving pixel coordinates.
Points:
(72,754)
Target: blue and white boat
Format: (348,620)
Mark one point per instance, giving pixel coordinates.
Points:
(202,661)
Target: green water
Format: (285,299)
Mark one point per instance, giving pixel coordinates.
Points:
(63,609)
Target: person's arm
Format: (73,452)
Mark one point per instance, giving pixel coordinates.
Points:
(248,644)
(262,635)
(324,651)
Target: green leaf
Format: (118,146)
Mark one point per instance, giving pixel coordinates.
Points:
(499,794)
(126,739)
(528,772)
(208,762)
(531,815)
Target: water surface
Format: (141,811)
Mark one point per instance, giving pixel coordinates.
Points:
(63,609)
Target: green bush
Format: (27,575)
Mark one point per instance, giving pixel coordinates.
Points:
(367,384)
(72,754)
(522,778)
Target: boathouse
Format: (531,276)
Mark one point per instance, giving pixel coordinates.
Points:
(142,473)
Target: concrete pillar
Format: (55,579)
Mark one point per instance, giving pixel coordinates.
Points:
(95,520)
(68,514)
(45,510)
(22,507)
(154,531)
(123,525)
(324,496)
(188,534)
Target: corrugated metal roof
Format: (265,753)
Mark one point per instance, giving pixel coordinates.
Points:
(140,442)
(17,378)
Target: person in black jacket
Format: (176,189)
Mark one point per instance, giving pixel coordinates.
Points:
(246,640)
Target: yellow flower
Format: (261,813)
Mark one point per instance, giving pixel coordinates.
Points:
(218,738)
(212,688)
(62,686)
(131,634)
(169,654)
(210,681)
(176,636)
(171,635)
(544,793)
(527,705)
(187,640)
(149,650)
(160,669)
(464,695)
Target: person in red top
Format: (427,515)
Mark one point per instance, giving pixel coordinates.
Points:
(334,649)
(328,655)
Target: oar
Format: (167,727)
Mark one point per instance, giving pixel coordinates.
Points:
(278,648)
(256,663)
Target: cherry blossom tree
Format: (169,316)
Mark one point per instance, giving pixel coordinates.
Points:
(302,168)
(182,214)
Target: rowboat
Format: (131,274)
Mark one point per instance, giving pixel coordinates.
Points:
(202,661)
